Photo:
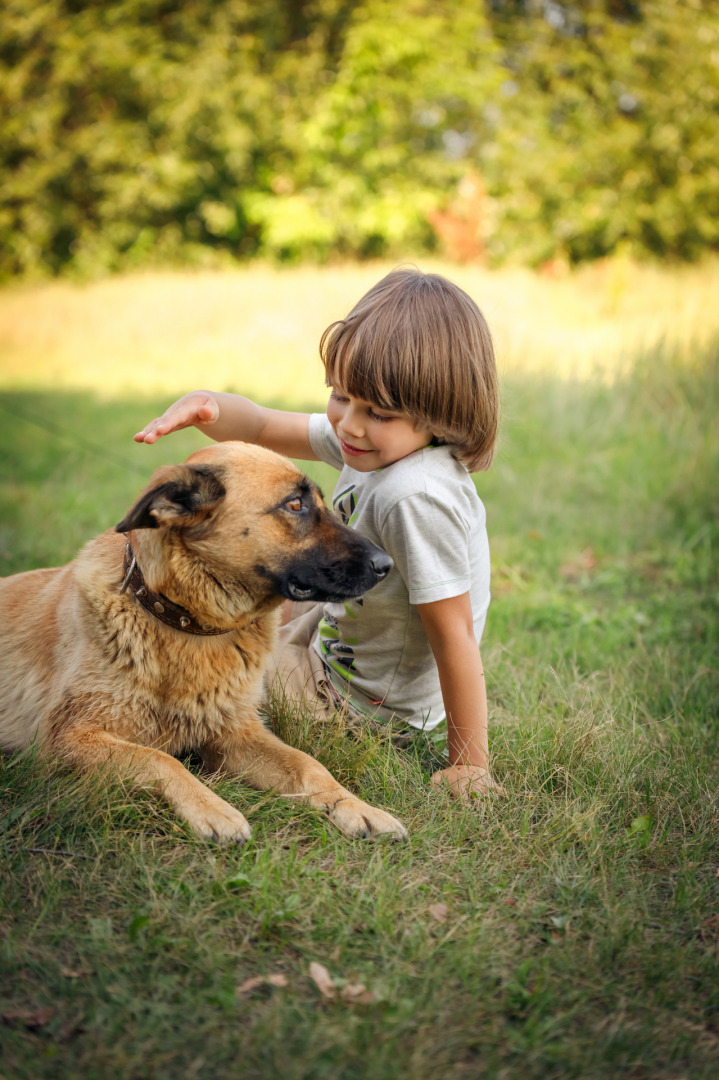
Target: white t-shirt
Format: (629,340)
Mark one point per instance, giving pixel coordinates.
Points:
(425,512)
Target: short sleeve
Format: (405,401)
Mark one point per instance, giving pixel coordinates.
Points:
(324,442)
(429,543)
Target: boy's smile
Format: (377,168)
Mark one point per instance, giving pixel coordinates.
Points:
(371,437)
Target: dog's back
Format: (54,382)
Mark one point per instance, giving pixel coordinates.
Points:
(32,607)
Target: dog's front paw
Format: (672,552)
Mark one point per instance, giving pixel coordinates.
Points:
(216,820)
(357,819)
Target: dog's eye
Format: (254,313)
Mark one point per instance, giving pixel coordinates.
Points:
(294,504)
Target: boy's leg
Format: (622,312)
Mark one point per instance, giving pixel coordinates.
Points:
(295,669)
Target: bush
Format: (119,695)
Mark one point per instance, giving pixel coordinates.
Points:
(141,131)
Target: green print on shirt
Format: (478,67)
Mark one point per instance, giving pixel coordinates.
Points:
(345,504)
(338,654)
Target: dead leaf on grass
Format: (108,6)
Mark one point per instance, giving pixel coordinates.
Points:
(30,1018)
(277,979)
(350,993)
(75,973)
(357,994)
(439,912)
(322,979)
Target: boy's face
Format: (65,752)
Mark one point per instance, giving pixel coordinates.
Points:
(371,437)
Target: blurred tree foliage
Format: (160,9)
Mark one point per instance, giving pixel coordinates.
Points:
(136,131)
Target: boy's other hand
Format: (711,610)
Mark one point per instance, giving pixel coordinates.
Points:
(199,407)
(467,782)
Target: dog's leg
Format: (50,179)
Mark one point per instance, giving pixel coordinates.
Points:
(265,762)
(209,816)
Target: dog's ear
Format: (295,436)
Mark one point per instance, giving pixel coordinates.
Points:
(185,496)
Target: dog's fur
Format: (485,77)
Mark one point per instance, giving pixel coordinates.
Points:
(89,674)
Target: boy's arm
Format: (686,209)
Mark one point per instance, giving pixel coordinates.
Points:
(229,416)
(449,627)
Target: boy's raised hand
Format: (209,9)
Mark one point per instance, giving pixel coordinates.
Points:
(199,407)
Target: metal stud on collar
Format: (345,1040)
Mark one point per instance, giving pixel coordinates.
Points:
(159,606)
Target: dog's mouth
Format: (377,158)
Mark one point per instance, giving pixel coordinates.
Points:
(299,592)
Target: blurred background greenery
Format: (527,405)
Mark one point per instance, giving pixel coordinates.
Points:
(136,132)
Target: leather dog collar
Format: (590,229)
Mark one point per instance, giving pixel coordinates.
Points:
(158,605)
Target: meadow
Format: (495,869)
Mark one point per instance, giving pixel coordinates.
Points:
(570,928)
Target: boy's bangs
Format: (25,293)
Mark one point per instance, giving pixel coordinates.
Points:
(361,370)
(417,344)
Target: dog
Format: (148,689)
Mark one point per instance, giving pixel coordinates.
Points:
(154,641)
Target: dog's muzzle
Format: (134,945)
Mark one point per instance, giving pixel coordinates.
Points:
(336,581)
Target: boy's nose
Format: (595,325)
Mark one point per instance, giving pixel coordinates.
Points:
(352,421)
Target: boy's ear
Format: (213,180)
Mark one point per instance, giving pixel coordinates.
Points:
(181,495)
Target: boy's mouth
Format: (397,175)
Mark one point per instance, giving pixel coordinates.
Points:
(353,451)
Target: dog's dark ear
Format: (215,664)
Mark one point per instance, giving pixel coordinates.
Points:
(184,496)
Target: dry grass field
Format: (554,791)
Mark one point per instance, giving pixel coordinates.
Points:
(256,330)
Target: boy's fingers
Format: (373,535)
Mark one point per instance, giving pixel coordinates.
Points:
(150,433)
(180,416)
(163,426)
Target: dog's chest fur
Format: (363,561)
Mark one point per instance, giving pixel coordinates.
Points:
(167,687)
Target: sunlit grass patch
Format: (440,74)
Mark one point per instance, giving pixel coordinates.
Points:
(256,330)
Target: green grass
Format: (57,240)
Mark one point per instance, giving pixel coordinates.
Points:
(581,936)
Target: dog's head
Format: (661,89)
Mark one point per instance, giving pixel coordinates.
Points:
(238,524)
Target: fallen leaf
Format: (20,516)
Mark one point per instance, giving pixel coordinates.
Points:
(357,994)
(30,1018)
(75,973)
(438,912)
(322,979)
(278,979)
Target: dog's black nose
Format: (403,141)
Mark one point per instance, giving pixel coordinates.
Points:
(381,564)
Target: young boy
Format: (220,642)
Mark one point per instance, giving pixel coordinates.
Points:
(413,405)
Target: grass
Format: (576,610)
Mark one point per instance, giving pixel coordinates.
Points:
(570,929)
(163,332)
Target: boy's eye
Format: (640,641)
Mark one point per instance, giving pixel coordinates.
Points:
(336,396)
(382,419)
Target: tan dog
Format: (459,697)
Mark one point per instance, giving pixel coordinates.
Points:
(174,663)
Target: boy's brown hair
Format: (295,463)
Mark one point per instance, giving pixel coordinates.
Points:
(418,344)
